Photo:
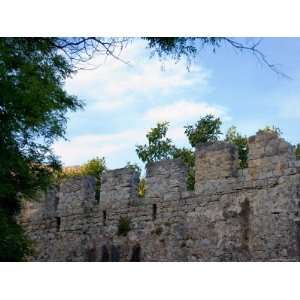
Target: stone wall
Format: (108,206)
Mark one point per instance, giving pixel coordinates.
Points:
(233,215)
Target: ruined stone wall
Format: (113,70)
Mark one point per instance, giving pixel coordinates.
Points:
(233,215)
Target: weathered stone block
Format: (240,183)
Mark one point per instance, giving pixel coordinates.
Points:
(215,161)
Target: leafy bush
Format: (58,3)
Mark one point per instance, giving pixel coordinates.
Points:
(271,129)
(188,157)
(142,188)
(133,167)
(123,226)
(207,129)
(93,167)
(233,137)
(158,230)
(15,246)
(159,147)
(190,181)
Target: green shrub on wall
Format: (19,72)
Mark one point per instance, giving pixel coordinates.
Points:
(142,188)
(271,129)
(233,137)
(134,167)
(207,129)
(93,167)
(158,146)
(123,226)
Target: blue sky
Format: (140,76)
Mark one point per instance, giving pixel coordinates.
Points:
(123,101)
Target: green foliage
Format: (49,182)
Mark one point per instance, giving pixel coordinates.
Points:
(94,167)
(233,137)
(298,151)
(190,181)
(123,226)
(133,167)
(142,188)
(14,245)
(271,129)
(33,106)
(188,157)
(157,230)
(207,129)
(178,47)
(159,147)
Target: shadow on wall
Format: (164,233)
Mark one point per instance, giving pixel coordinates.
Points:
(114,254)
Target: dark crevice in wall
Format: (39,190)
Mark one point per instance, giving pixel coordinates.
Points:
(104,254)
(91,255)
(245,225)
(56,199)
(98,189)
(104,216)
(56,202)
(154,211)
(58,221)
(115,254)
(298,238)
(136,254)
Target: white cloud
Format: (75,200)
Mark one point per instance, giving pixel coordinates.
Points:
(184,110)
(84,147)
(113,79)
(109,105)
(115,85)
(150,77)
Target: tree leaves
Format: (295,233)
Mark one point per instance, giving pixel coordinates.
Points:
(207,129)
(33,107)
(159,146)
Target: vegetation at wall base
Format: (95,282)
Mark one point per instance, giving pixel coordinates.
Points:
(14,244)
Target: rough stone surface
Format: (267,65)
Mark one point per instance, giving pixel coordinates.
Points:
(233,215)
